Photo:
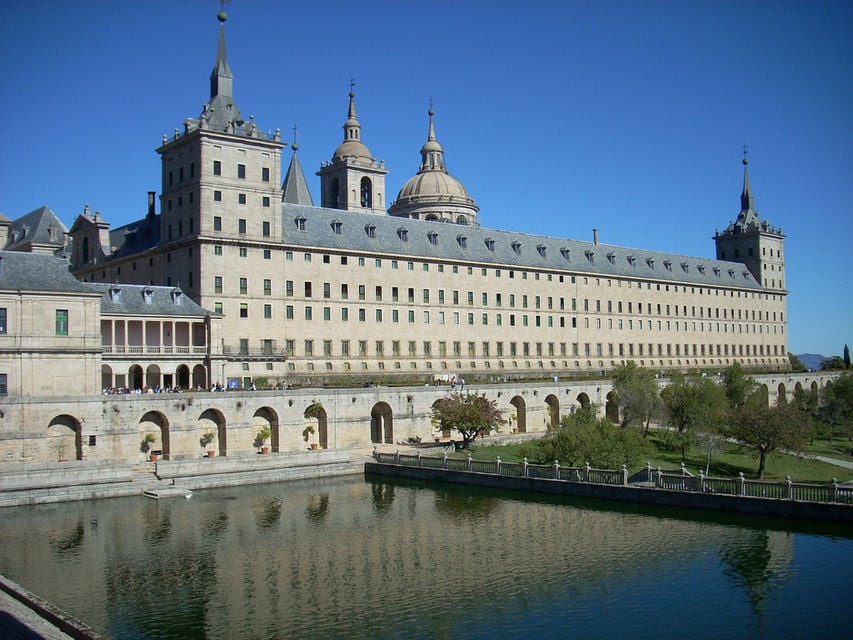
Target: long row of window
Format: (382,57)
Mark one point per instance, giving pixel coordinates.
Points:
(60,321)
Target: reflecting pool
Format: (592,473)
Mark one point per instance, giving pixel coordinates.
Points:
(355,558)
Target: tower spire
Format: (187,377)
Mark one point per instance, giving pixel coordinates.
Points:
(352,127)
(221,78)
(747,201)
(432,153)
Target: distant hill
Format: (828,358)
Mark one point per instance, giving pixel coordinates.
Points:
(811,360)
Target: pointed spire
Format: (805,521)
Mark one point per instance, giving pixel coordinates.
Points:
(432,153)
(352,128)
(294,189)
(747,201)
(221,78)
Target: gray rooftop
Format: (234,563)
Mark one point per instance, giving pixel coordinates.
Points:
(405,239)
(137,299)
(40,226)
(21,271)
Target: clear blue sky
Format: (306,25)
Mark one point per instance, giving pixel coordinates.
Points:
(558,116)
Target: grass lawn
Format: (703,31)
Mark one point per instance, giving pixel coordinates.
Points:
(841,448)
(727,463)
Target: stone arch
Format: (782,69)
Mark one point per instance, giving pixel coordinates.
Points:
(445,433)
(334,194)
(460,219)
(519,415)
(781,396)
(431,217)
(152,376)
(611,408)
(798,388)
(199,377)
(156,423)
(584,401)
(134,377)
(106,376)
(366,193)
(212,420)
(764,393)
(553,405)
(267,417)
(65,438)
(813,387)
(381,424)
(183,376)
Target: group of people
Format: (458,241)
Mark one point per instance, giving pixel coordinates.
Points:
(126,391)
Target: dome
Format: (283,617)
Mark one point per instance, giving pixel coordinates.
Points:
(435,186)
(352,149)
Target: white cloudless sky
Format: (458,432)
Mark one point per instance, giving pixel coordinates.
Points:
(558,116)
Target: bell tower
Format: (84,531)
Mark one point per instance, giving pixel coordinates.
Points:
(353,179)
(753,241)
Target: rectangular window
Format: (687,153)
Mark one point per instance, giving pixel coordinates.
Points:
(244,310)
(308,313)
(217,284)
(267,311)
(241,198)
(244,286)
(4,388)
(3,329)
(267,287)
(241,171)
(241,225)
(217,250)
(309,347)
(344,314)
(217,196)
(265,228)
(62,322)
(265,174)
(327,313)
(217,223)
(244,252)
(217,168)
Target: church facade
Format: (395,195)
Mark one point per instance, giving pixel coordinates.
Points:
(417,289)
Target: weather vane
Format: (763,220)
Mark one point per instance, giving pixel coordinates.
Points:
(745,150)
(295,146)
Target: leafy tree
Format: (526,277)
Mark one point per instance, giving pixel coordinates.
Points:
(768,429)
(837,406)
(737,385)
(846,357)
(693,406)
(638,393)
(807,403)
(832,363)
(797,365)
(469,414)
(582,438)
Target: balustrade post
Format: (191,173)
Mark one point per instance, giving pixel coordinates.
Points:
(445,459)
(498,466)
(741,484)
(397,457)
(556,469)
(586,472)
(470,462)
(375,454)
(683,470)
(701,481)
(624,475)
(648,471)
(419,457)
(525,467)
(833,492)
(789,491)
(659,479)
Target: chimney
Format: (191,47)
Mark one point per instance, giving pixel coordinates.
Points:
(595,236)
(151,200)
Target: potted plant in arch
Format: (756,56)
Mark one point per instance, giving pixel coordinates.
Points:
(145,446)
(261,438)
(309,431)
(314,411)
(205,440)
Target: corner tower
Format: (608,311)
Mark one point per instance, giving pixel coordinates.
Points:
(353,179)
(753,242)
(434,194)
(220,176)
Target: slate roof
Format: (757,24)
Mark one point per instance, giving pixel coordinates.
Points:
(134,237)
(34,228)
(295,188)
(22,271)
(131,299)
(506,249)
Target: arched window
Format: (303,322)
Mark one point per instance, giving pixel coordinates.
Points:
(334,194)
(366,193)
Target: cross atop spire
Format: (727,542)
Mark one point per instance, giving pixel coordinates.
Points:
(747,201)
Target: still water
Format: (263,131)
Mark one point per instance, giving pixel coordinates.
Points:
(349,558)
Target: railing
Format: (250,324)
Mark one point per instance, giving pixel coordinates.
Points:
(153,349)
(679,480)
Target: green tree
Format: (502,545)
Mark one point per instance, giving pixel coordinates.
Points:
(832,363)
(767,429)
(807,403)
(846,357)
(469,414)
(638,393)
(737,385)
(693,405)
(837,406)
(582,438)
(797,365)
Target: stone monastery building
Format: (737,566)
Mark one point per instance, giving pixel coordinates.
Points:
(414,286)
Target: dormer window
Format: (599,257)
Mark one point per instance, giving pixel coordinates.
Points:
(541,249)
(115,293)
(668,265)
(148,295)
(300,223)
(177,296)
(516,246)
(701,268)
(337,227)
(462,240)
(717,271)
(370,230)
(432,236)
(746,274)
(403,233)
(685,267)
(731,273)
(650,262)
(611,257)
(590,255)
(490,244)
(632,260)
(565,252)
